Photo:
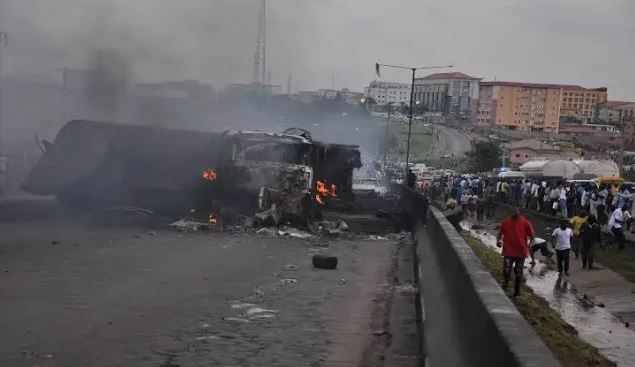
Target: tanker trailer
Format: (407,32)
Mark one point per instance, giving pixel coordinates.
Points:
(96,164)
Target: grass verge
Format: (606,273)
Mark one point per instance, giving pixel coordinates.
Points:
(560,337)
(621,262)
(420,139)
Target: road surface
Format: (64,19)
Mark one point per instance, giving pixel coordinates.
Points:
(76,295)
(452,142)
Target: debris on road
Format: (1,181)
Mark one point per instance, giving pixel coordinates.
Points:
(324,262)
(289,267)
(338,227)
(257,310)
(236,319)
(183,225)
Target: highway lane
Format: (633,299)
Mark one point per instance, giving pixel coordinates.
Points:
(77,295)
(452,142)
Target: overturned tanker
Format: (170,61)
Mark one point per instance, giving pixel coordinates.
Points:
(96,164)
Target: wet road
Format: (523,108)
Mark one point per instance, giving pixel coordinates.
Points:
(82,296)
(596,325)
(452,141)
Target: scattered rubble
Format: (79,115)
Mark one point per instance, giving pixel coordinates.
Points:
(183,225)
(289,267)
(338,227)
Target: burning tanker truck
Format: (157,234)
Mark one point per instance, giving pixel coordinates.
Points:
(92,165)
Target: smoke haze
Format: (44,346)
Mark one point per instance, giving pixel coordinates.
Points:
(580,41)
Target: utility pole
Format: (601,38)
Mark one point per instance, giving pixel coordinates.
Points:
(622,144)
(412,91)
(387,135)
(3,42)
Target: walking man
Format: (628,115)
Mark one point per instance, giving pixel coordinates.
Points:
(589,233)
(616,224)
(576,224)
(513,236)
(561,240)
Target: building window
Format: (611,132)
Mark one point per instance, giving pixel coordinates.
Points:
(518,155)
(526,156)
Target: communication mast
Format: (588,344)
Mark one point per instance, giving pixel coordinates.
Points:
(260,57)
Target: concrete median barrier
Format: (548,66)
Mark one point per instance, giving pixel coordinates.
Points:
(469,321)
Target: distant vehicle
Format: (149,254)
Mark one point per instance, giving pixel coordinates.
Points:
(446,156)
(493,137)
(369,186)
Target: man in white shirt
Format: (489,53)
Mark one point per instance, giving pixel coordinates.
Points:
(616,224)
(561,240)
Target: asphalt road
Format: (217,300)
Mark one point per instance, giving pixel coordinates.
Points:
(72,295)
(452,141)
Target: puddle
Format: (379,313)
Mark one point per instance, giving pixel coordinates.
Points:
(595,325)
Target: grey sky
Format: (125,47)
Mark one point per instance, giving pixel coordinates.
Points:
(585,42)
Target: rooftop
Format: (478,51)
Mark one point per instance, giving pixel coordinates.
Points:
(443,76)
(613,104)
(539,85)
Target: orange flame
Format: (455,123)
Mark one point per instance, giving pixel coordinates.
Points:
(323,190)
(209,174)
(213,218)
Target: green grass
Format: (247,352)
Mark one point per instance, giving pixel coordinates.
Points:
(621,262)
(560,337)
(420,140)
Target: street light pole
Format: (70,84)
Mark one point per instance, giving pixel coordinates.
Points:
(412,91)
(412,97)
(3,41)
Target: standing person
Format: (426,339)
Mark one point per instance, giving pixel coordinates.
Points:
(480,209)
(571,201)
(514,232)
(561,241)
(490,197)
(616,224)
(584,199)
(562,201)
(602,216)
(540,205)
(594,200)
(590,233)
(411,179)
(554,195)
(547,199)
(533,192)
(576,225)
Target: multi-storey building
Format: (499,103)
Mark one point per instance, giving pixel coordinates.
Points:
(581,104)
(519,106)
(611,111)
(452,94)
(388,92)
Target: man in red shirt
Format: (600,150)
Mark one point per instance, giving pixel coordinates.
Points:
(515,233)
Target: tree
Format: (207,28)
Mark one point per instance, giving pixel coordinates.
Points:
(484,156)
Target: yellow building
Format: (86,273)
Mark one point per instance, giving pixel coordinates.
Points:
(536,107)
(582,104)
(519,106)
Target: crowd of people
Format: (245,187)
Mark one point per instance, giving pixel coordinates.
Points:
(581,208)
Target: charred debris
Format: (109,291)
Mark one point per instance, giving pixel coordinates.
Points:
(216,178)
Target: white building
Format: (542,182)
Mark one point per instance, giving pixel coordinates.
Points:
(387,92)
(453,94)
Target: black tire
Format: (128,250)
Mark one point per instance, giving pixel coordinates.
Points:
(324,262)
